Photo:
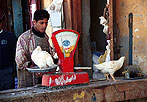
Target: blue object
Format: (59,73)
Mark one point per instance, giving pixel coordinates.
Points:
(98,53)
(66,42)
(16,83)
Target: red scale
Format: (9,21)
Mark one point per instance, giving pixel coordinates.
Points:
(65,42)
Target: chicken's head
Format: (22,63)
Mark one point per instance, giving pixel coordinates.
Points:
(38,48)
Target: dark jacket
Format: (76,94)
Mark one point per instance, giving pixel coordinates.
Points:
(7,60)
(7,48)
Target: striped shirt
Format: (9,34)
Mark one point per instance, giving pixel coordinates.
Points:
(25,46)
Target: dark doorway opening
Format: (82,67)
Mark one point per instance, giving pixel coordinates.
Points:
(97,36)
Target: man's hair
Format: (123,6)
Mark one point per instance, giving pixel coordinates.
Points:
(40,15)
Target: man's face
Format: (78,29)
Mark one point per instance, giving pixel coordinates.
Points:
(40,25)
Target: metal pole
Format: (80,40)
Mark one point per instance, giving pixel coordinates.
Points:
(130,37)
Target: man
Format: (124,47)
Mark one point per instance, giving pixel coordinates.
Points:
(7,58)
(26,43)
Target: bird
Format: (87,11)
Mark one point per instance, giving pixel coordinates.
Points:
(41,58)
(110,67)
(133,71)
(106,56)
(104,22)
(105,29)
(55,6)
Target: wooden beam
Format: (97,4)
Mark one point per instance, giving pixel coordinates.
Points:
(111,28)
(67,14)
(77,25)
(72,15)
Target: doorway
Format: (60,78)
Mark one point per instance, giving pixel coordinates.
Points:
(98,38)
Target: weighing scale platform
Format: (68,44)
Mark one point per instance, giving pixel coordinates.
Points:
(68,78)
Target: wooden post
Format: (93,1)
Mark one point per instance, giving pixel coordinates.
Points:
(67,14)
(72,14)
(111,28)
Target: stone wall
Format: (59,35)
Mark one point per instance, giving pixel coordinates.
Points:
(139,10)
(96,91)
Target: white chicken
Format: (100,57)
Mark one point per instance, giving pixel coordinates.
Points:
(55,6)
(108,51)
(104,22)
(110,67)
(41,58)
(105,29)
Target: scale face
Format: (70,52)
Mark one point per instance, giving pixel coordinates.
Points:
(67,41)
